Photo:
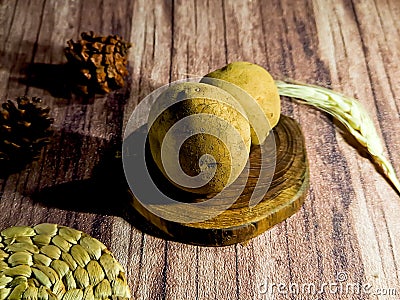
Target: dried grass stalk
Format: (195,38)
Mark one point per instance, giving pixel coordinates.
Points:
(350,113)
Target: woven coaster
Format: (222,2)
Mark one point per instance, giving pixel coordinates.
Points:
(49,261)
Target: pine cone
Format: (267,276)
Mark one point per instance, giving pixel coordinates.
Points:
(100,61)
(24,130)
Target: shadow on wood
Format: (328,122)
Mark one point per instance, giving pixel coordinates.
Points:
(12,167)
(106,193)
(55,78)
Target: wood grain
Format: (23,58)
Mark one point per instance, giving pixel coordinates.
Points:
(349,221)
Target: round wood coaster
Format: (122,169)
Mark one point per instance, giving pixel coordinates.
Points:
(242,220)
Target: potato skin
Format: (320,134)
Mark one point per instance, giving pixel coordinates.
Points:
(258,83)
(214,116)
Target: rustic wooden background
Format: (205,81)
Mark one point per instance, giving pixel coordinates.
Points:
(349,224)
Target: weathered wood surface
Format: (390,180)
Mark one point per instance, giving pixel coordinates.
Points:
(349,224)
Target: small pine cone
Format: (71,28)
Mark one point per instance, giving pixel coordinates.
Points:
(24,130)
(101,62)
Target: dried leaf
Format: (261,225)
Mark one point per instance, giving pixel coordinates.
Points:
(81,277)
(18,291)
(60,267)
(51,251)
(69,260)
(4,292)
(42,277)
(15,231)
(46,229)
(69,234)
(3,255)
(80,255)
(88,294)
(41,259)
(59,289)
(18,247)
(17,281)
(31,293)
(4,280)
(73,294)
(61,243)
(111,267)
(20,258)
(49,272)
(103,289)
(23,270)
(42,239)
(69,281)
(42,293)
(95,271)
(92,246)
(120,289)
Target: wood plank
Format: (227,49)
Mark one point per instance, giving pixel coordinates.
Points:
(354,60)
(349,222)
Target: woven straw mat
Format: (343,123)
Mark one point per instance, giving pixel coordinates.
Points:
(49,261)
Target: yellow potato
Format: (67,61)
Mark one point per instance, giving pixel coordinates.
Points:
(199,137)
(259,84)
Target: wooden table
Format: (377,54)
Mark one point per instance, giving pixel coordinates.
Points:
(347,232)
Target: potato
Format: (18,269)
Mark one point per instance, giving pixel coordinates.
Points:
(199,137)
(259,84)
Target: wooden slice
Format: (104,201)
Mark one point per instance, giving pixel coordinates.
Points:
(278,199)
